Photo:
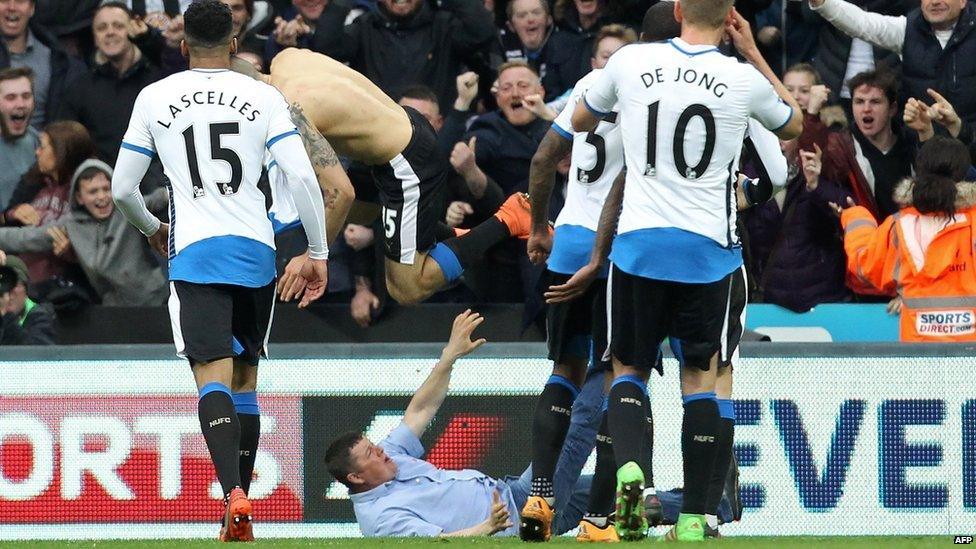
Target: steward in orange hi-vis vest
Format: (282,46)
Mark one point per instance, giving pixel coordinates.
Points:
(927,258)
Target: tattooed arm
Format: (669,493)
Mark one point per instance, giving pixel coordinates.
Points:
(542,177)
(335,184)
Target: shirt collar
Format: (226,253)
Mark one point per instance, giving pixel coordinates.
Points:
(374,494)
(689,49)
(32,41)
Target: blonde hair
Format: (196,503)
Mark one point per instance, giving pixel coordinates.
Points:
(620,32)
(706,13)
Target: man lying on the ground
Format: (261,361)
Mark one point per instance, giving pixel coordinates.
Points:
(396,493)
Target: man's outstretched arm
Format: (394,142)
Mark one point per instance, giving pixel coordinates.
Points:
(428,398)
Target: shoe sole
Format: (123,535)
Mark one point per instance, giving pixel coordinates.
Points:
(630,511)
(532,529)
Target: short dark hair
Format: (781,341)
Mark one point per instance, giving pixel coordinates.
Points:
(207,24)
(659,22)
(89,173)
(114,4)
(419,92)
(15,73)
(620,32)
(880,78)
(338,458)
(941,163)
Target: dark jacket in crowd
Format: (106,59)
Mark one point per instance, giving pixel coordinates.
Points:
(102,101)
(65,17)
(572,51)
(37,326)
(503,151)
(951,71)
(64,69)
(325,38)
(797,253)
(556,61)
(835,46)
(428,48)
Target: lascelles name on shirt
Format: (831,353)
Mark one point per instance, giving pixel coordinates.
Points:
(187,102)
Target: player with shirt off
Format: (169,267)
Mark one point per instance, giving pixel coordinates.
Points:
(399,146)
(210,128)
(683,111)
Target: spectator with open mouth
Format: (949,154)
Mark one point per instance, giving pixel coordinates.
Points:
(24,43)
(19,139)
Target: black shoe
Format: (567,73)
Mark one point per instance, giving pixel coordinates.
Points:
(653,510)
(711,533)
(732,489)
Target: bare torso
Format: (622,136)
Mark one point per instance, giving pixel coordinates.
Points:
(359,120)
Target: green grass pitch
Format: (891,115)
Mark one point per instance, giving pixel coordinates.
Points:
(391,543)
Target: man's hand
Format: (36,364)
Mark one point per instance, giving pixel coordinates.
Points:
(173,32)
(741,200)
(291,284)
(498,520)
(287,32)
(816,3)
(60,243)
(467,90)
(157,20)
(537,105)
(738,29)
(916,117)
(539,246)
(460,343)
(26,215)
(463,161)
(463,157)
(838,209)
(944,113)
(575,286)
(315,273)
(363,304)
(358,237)
(137,27)
(159,240)
(811,166)
(768,36)
(818,98)
(894,306)
(456,213)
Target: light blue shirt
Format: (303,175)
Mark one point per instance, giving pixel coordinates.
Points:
(423,500)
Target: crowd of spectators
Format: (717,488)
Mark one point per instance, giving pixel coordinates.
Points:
(875,78)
